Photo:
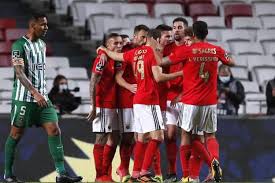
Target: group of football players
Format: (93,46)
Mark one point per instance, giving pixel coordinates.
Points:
(144,91)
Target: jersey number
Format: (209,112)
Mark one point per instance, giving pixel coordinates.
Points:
(140,68)
(203,75)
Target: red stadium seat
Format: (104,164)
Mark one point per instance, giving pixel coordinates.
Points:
(6,23)
(236,10)
(171,1)
(5,48)
(14,34)
(203,9)
(5,61)
(2,35)
(188,2)
(149,3)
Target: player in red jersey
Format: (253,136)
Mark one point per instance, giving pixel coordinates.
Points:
(200,96)
(126,91)
(147,112)
(103,108)
(165,39)
(175,88)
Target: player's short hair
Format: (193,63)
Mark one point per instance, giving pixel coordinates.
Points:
(37,16)
(188,31)
(109,36)
(164,27)
(123,36)
(154,33)
(181,19)
(200,29)
(140,27)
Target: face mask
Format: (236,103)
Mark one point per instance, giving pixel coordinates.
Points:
(63,87)
(224,79)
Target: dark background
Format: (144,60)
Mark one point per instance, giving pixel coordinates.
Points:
(247,148)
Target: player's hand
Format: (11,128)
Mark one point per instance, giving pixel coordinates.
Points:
(41,101)
(92,114)
(17,61)
(101,48)
(273,92)
(153,43)
(133,88)
(175,101)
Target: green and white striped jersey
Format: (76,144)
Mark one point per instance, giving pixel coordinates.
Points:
(34,56)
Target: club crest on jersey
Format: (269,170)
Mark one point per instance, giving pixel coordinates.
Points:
(100,65)
(15,53)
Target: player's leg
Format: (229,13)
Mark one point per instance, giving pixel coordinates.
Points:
(109,124)
(170,140)
(189,116)
(126,121)
(139,149)
(195,161)
(10,147)
(151,122)
(20,117)
(49,122)
(157,166)
(100,141)
(125,150)
(185,153)
(209,126)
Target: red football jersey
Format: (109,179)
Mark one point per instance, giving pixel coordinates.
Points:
(200,72)
(106,88)
(125,97)
(163,88)
(175,85)
(142,59)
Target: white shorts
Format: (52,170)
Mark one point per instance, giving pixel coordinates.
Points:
(126,120)
(106,120)
(147,118)
(172,113)
(198,118)
(164,118)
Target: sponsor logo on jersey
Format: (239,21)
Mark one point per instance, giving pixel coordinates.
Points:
(39,66)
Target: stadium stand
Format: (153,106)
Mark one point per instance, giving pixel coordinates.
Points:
(196,10)
(168,9)
(213,22)
(236,10)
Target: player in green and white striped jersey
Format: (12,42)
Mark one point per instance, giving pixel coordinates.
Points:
(30,103)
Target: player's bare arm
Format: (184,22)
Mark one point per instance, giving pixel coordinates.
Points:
(113,55)
(161,77)
(19,68)
(121,82)
(95,78)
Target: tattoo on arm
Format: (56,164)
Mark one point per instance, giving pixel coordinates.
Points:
(20,74)
(95,78)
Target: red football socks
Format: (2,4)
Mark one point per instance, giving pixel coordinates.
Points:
(171,152)
(185,152)
(108,155)
(156,163)
(98,157)
(149,155)
(201,150)
(139,150)
(213,147)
